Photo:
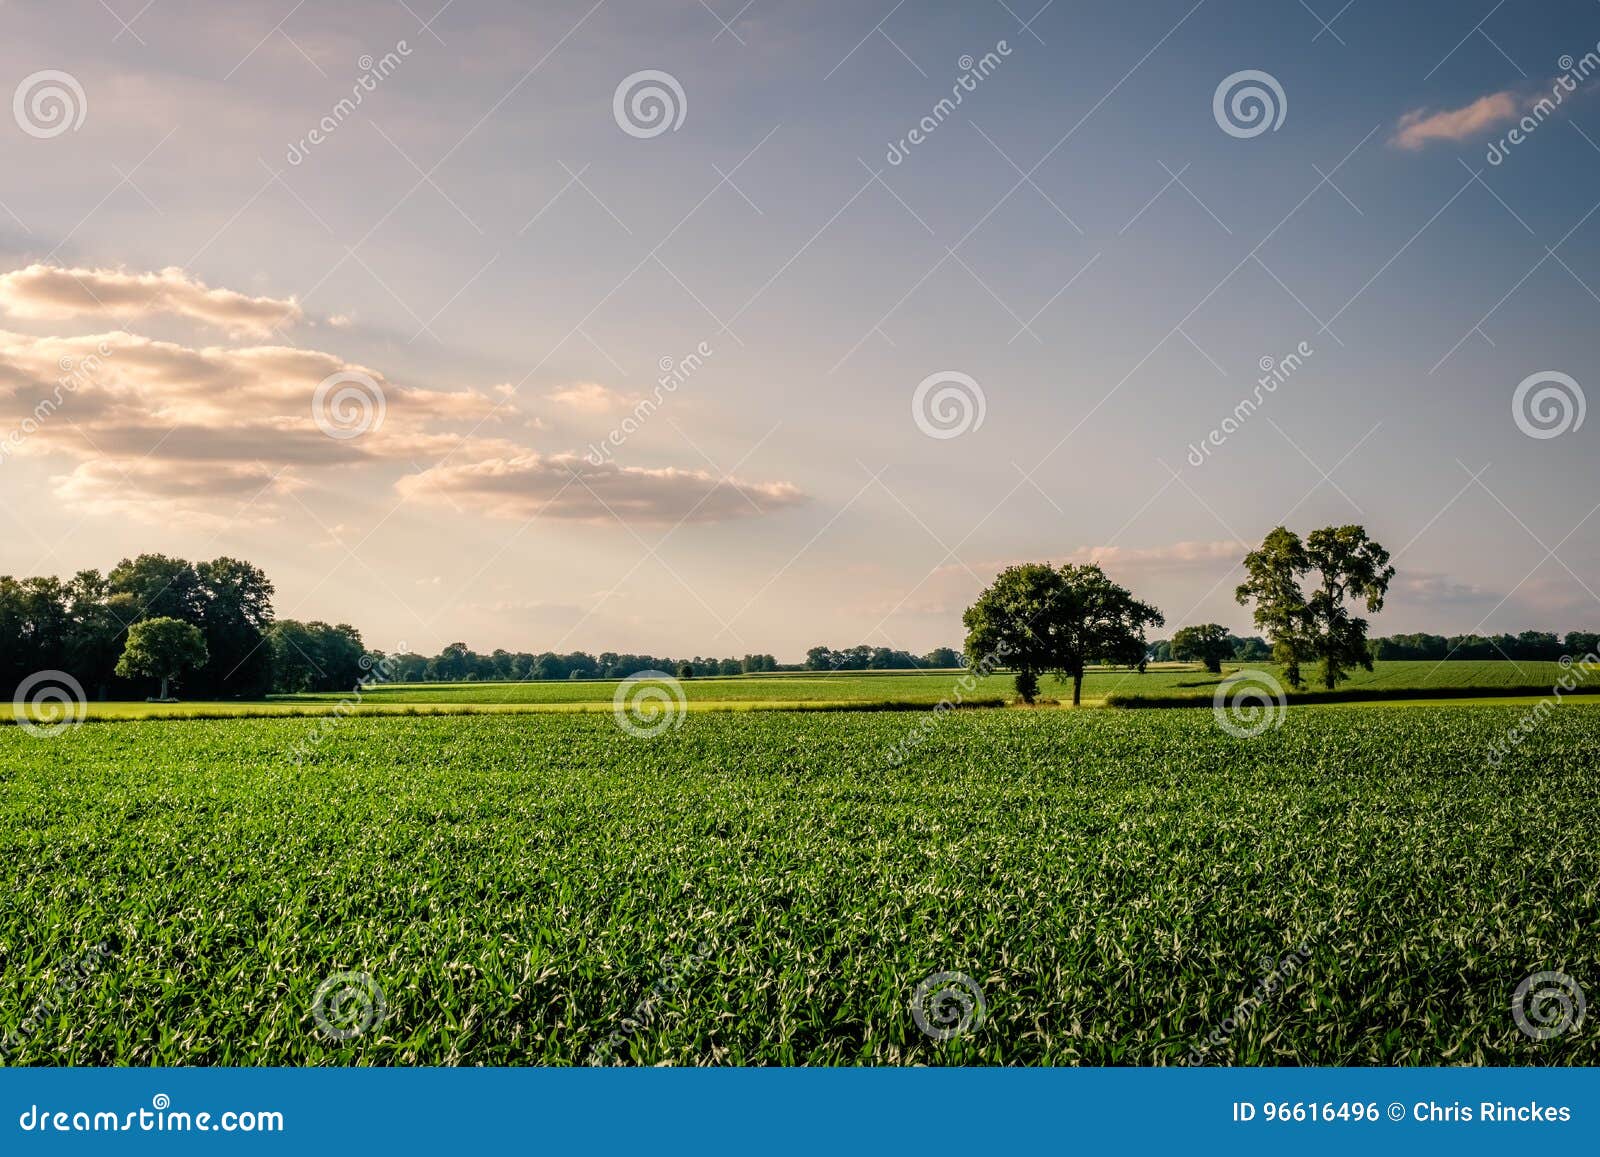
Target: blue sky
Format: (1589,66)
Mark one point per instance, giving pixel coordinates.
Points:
(481,242)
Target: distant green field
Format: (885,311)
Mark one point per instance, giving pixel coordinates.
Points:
(509,891)
(1160,685)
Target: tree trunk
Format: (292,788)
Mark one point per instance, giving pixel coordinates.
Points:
(1077,688)
(163,687)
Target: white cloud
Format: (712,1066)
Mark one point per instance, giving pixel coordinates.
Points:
(52,293)
(590,398)
(568,486)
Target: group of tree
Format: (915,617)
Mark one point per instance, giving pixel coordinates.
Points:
(1039,618)
(1315,623)
(85,625)
(1198,644)
(458,663)
(1529,645)
(1212,645)
(865,658)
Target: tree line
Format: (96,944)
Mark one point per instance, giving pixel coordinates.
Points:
(1037,618)
(458,663)
(82,626)
(865,658)
(208,628)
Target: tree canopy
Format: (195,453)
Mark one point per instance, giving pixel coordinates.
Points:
(1346,566)
(1208,643)
(1040,618)
(162,648)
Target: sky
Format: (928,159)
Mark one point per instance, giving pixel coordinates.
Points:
(704,328)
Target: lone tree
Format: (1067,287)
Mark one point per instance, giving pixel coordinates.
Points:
(1346,565)
(1040,618)
(162,649)
(1208,643)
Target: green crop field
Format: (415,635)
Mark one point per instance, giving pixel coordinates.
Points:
(1163,684)
(1357,886)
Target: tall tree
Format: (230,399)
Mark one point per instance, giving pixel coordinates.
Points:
(161,648)
(1346,566)
(235,613)
(1037,618)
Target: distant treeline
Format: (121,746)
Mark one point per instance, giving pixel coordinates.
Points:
(865,658)
(1246,649)
(458,663)
(1529,645)
(80,626)
(1533,645)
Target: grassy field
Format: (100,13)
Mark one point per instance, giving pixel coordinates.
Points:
(770,888)
(1164,684)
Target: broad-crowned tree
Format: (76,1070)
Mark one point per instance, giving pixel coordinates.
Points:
(1037,618)
(162,649)
(1208,643)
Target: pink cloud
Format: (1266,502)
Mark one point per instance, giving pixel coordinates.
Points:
(1420,126)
